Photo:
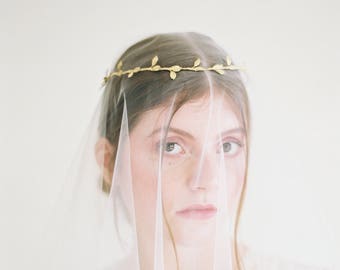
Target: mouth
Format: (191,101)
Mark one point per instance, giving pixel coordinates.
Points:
(198,211)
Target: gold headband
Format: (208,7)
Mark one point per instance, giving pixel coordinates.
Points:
(219,68)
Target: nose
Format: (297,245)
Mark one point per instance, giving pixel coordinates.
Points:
(205,173)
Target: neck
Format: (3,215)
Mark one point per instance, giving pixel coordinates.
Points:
(185,257)
(194,258)
(179,256)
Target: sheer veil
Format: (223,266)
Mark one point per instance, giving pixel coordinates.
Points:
(159,178)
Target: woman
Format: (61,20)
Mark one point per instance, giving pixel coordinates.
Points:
(187,149)
(168,148)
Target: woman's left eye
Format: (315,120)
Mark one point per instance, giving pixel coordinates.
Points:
(231,147)
(173,148)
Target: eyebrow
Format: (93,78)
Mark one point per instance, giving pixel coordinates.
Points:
(172,129)
(187,134)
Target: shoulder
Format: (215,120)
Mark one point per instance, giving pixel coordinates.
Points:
(254,260)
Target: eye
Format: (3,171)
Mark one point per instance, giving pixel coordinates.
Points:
(173,148)
(231,148)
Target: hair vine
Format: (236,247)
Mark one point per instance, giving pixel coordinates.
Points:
(173,70)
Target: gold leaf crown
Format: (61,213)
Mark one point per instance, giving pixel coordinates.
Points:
(219,68)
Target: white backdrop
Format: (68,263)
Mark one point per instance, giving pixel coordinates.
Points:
(53,55)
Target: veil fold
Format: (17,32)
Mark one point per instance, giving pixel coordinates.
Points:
(159,178)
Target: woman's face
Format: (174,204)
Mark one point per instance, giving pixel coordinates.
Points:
(202,170)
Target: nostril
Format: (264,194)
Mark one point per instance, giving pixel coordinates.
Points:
(198,188)
(203,184)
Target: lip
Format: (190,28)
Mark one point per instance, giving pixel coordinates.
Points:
(198,211)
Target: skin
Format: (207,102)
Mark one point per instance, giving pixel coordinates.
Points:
(203,161)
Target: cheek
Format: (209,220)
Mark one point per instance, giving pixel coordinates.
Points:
(144,180)
(172,193)
(235,179)
(175,189)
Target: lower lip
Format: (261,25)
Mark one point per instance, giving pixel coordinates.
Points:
(197,214)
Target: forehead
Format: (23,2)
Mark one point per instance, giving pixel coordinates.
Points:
(216,113)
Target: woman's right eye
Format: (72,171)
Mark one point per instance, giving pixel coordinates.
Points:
(173,148)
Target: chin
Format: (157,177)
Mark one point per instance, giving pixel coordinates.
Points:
(194,232)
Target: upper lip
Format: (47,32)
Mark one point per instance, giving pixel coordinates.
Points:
(199,207)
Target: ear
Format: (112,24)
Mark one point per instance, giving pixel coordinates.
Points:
(104,152)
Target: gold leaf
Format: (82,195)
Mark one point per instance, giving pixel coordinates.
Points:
(220,71)
(175,68)
(172,75)
(217,66)
(197,62)
(228,60)
(119,66)
(130,75)
(156,68)
(154,61)
(234,67)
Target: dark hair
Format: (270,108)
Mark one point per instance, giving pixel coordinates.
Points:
(147,90)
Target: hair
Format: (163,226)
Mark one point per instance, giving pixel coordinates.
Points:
(148,90)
